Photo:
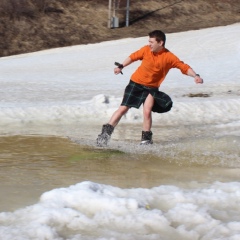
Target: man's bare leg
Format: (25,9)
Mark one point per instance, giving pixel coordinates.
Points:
(147,113)
(117,115)
(147,121)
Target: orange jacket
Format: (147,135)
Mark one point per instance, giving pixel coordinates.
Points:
(155,66)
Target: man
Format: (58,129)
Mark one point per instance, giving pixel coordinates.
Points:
(144,84)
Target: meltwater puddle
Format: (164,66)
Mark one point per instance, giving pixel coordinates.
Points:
(32,165)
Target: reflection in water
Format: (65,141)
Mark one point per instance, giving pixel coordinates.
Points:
(31,165)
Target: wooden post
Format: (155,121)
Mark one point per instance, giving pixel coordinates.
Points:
(110,14)
(127,14)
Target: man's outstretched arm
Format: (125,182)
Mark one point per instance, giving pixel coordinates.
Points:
(126,62)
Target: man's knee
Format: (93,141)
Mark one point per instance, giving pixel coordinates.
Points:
(147,113)
(147,110)
(123,110)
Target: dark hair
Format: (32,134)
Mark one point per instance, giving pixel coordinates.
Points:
(159,35)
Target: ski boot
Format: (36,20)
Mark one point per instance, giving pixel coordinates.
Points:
(104,137)
(146,138)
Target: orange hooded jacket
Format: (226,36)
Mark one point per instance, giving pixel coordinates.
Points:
(155,66)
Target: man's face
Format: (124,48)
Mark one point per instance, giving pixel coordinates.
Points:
(154,45)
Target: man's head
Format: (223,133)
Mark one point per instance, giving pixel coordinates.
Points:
(157,40)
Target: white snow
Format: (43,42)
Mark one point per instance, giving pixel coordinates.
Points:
(76,84)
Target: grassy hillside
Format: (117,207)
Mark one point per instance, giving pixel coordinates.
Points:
(33,25)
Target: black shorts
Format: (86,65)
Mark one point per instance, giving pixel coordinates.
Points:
(135,94)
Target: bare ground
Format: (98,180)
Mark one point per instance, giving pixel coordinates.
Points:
(33,25)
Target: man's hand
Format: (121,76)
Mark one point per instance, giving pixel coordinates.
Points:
(117,70)
(198,79)
(119,67)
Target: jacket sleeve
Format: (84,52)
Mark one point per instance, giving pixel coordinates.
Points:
(138,55)
(177,63)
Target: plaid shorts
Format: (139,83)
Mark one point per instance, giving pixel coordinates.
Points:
(135,95)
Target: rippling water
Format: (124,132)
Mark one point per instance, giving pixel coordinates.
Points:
(31,165)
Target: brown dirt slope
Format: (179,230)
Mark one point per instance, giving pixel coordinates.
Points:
(33,25)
